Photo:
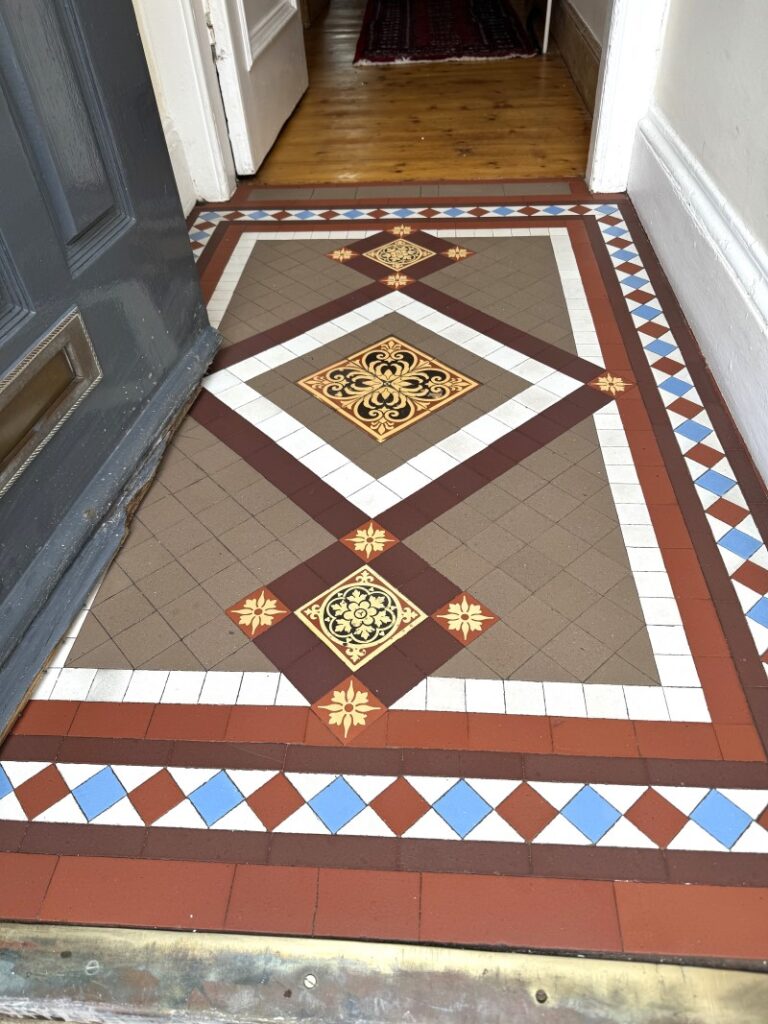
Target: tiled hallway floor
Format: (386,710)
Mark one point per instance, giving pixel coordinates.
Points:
(445,618)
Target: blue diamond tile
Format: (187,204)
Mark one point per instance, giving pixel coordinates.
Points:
(607,209)
(635,281)
(646,311)
(693,431)
(623,255)
(739,543)
(759,612)
(615,231)
(553,210)
(210,215)
(462,808)
(5,784)
(660,348)
(215,798)
(304,214)
(721,818)
(353,214)
(257,214)
(98,793)
(403,213)
(503,211)
(590,813)
(198,236)
(337,804)
(454,211)
(675,386)
(715,482)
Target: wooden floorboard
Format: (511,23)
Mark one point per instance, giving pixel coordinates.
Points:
(426,122)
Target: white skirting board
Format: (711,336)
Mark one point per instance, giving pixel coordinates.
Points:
(717,268)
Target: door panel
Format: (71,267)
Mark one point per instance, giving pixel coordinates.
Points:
(262,71)
(92,243)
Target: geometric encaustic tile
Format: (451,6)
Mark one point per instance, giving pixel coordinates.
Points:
(611,384)
(360,617)
(256,612)
(399,254)
(387,387)
(465,618)
(369,540)
(347,709)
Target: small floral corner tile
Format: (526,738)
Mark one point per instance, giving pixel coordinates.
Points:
(256,612)
(465,618)
(348,709)
(369,540)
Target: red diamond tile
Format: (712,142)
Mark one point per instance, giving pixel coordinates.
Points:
(667,365)
(400,806)
(618,243)
(638,295)
(628,268)
(529,210)
(656,817)
(378,214)
(347,709)
(705,455)
(369,540)
(609,220)
(256,612)
(654,330)
(727,512)
(465,618)
(478,211)
(430,213)
(329,214)
(685,407)
(281,215)
(155,797)
(578,209)
(526,811)
(762,819)
(41,791)
(753,576)
(275,801)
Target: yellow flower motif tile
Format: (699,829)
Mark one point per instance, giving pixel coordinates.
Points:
(347,709)
(399,254)
(402,230)
(464,618)
(457,252)
(611,384)
(257,612)
(397,281)
(341,255)
(387,387)
(360,617)
(369,540)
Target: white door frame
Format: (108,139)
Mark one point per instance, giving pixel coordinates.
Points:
(178,51)
(624,90)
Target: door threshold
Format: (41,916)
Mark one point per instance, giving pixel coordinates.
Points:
(84,974)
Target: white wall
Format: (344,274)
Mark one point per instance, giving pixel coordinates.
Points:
(699,180)
(712,86)
(596,14)
(184,78)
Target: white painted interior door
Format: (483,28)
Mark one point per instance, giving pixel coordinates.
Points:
(259,49)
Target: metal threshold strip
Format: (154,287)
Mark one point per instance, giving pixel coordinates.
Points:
(111,976)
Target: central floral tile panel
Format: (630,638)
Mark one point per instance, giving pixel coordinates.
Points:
(387,387)
(360,617)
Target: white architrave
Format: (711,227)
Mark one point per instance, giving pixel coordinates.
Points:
(624,90)
(178,51)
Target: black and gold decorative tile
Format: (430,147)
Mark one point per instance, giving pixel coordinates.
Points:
(360,617)
(399,254)
(387,387)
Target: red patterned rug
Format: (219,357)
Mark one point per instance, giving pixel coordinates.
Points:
(418,31)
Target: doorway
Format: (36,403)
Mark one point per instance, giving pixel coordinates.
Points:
(474,120)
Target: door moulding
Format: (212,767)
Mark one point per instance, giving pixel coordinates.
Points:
(624,89)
